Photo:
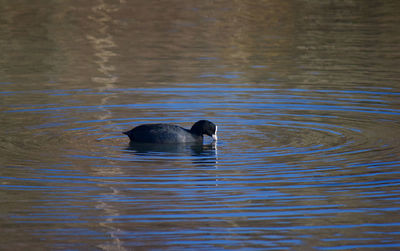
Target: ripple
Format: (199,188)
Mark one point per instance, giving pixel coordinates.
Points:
(283,122)
(285,157)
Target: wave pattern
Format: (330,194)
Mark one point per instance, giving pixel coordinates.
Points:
(291,165)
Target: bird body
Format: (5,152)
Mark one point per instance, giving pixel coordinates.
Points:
(172,134)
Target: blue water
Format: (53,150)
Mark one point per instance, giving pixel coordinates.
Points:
(305,96)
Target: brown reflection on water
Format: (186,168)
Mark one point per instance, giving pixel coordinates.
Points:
(103,44)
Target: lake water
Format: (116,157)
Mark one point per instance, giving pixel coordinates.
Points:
(306,96)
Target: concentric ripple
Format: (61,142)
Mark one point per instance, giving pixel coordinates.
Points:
(275,122)
(287,161)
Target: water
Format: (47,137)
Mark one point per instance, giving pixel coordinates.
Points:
(305,94)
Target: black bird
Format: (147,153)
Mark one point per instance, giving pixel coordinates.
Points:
(167,133)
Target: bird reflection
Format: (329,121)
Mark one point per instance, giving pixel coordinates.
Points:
(192,149)
(201,156)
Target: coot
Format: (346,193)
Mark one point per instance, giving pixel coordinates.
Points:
(167,133)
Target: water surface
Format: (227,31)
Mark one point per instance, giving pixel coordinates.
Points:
(305,94)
